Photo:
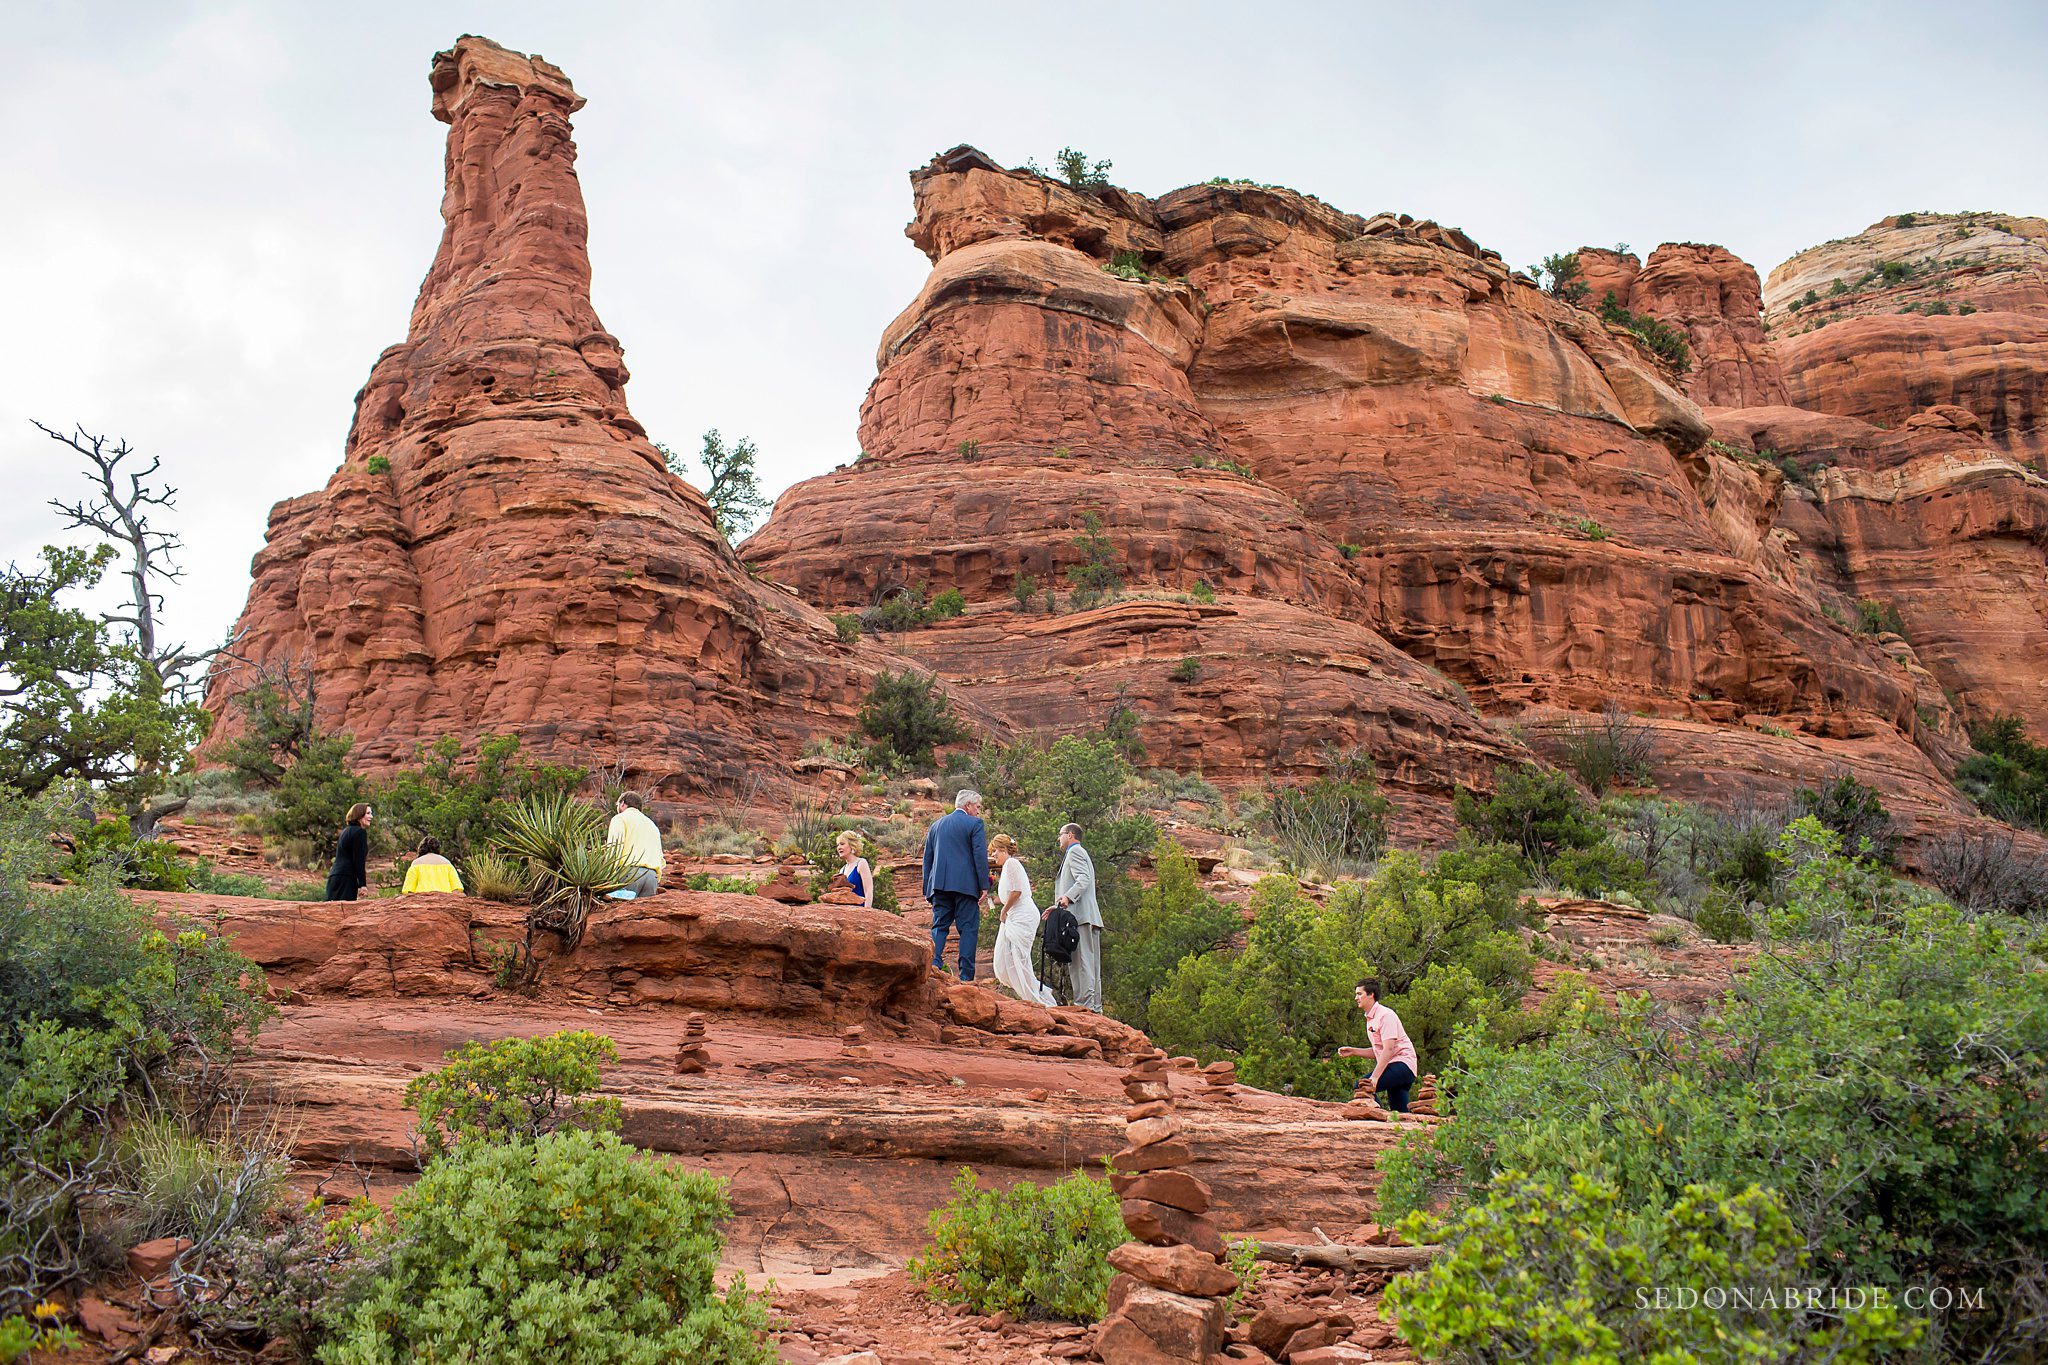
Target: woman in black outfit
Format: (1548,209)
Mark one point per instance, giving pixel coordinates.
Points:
(351,856)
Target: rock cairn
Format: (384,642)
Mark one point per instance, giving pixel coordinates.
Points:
(853,1042)
(692,1056)
(1364,1105)
(1219,1080)
(1169,1299)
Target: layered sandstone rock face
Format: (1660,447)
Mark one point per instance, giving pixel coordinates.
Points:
(1714,296)
(503,548)
(1921,310)
(1375,443)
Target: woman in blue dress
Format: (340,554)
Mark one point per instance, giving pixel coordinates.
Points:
(858,874)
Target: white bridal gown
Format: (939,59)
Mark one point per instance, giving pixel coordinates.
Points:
(1014,939)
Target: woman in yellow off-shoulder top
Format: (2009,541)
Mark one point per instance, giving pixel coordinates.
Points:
(430,871)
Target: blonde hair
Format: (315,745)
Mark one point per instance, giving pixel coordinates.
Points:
(1002,843)
(845,837)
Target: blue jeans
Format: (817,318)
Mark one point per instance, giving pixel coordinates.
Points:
(948,909)
(1396,1080)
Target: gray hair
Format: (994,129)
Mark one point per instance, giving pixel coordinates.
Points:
(1072,829)
(968,796)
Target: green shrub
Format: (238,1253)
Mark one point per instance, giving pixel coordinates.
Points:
(1097,575)
(1557,1269)
(378,464)
(203,878)
(1560,277)
(1880,1069)
(1660,338)
(1614,750)
(1202,592)
(145,864)
(1150,933)
(908,715)
(1077,170)
(1336,824)
(847,624)
(1874,617)
(1031,788)
(277,724)
(514,1088)
(570,1246)
(1722,918)
(315,792)
(2008,775)
(736,884)
(1187,671)
(181,1183)
(105,1016)
(948,604)
(1023,587)
(1032,1250)
(1443,938)
(1852,810)
(1602,870)
(460,806)
(21,1333)
(969,449)
(1590,529)
(302,891)
(1534,810)
(490,875)
(1129,265)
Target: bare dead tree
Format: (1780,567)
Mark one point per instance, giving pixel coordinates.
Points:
(119,510)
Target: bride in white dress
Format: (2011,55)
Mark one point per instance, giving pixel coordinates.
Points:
(1019,926)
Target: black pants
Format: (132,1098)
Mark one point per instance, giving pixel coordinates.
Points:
(1396,1080)
(340,888)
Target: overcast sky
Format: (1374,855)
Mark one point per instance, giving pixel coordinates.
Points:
(218,214)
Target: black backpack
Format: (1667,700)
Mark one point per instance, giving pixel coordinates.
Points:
(1062,935)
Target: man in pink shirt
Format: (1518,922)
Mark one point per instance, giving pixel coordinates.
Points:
(1394,1064)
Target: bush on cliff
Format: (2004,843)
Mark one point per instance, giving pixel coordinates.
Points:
(514,1088)
(908,715)
(1337,824)
(1879,1068)
(570,1247)
(1031,1250)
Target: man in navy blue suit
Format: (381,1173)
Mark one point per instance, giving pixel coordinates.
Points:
(956,878)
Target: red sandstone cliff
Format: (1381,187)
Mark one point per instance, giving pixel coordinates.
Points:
(1373,440)
(502,548)
(1917,311)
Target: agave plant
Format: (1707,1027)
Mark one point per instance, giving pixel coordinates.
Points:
(569,866)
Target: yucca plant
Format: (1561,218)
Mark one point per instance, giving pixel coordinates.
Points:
(495,877)
(569,865)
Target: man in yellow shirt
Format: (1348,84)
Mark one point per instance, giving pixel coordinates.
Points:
(430,871)
(641,838)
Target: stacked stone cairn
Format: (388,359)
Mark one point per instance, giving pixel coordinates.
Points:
(1168,1303)
(853,1042)
(1364,1105)
(692,1056)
